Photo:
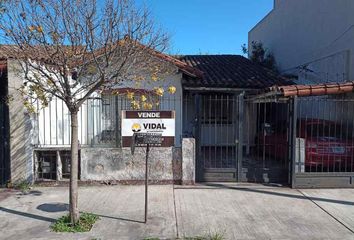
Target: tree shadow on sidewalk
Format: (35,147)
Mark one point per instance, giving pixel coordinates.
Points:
(53,207)
(29,215)
(61,207)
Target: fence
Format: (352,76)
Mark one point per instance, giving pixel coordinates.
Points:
(303,141)
(324,135)
(99,121)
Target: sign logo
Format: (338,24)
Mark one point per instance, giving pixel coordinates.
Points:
(136,127)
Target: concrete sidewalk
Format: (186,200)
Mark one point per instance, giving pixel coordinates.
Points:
(240,211)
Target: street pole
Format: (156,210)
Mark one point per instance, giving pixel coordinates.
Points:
(146,181)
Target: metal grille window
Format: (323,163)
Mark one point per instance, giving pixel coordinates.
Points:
(53,165)
(217,109)
(98,119)
(47,165)
(65,157)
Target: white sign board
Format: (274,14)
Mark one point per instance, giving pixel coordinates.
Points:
(157,122)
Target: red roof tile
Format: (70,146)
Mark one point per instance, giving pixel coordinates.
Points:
(314,90)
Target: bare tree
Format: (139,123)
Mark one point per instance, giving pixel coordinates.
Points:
(69,49)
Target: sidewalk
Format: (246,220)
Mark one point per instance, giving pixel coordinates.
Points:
(240,211)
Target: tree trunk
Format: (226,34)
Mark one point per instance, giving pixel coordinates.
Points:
(74,211)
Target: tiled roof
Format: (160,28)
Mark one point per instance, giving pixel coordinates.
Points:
(230,71)
(314,90)
(5,50)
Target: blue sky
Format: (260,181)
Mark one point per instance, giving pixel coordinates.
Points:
(208,26)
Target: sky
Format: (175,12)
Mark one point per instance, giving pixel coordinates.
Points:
(208,26)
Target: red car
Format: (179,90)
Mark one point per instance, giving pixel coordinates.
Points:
(326,143)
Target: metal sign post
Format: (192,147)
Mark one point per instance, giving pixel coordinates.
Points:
(146,139)
(146,181)
(147,129)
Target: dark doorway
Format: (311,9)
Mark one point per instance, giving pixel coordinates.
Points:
(4,127)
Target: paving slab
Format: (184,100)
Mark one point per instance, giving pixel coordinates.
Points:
(121,209)
(253,212)
(240,211)
(337,202)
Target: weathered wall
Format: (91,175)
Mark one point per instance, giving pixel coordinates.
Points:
(21,130)
(188,161)
(118,164)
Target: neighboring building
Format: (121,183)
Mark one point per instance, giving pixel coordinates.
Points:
(311,39)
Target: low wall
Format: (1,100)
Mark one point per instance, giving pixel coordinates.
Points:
(118,164)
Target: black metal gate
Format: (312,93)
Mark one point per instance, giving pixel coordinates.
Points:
(266,156)
(218,136)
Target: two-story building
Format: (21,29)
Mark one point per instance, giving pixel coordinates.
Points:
(310,39)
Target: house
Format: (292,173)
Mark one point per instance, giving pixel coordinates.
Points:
(313,42)
(209,112)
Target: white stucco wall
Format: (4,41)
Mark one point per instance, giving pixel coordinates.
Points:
(318,33)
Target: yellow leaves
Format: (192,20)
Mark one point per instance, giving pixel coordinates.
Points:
(135,105)
(121,42)
(32,28)
(154,77)
(91,69)
(39,29)
(147,106)
(29,106)
(130,95)
(171,89)
(143,98)
(159,91)
(35,28)
(138,78)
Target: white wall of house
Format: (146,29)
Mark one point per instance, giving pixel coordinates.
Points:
(98,116)
(313,39)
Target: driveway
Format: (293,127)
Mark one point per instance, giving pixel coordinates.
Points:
(239,211)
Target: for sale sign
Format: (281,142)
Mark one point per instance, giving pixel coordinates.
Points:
(160,123)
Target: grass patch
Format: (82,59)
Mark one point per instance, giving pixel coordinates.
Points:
(23,186)
(85,223)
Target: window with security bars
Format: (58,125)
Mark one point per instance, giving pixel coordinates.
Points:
(47,165)
(65,157)
(217,108)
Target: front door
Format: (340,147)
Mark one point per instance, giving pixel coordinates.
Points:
(218,137)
